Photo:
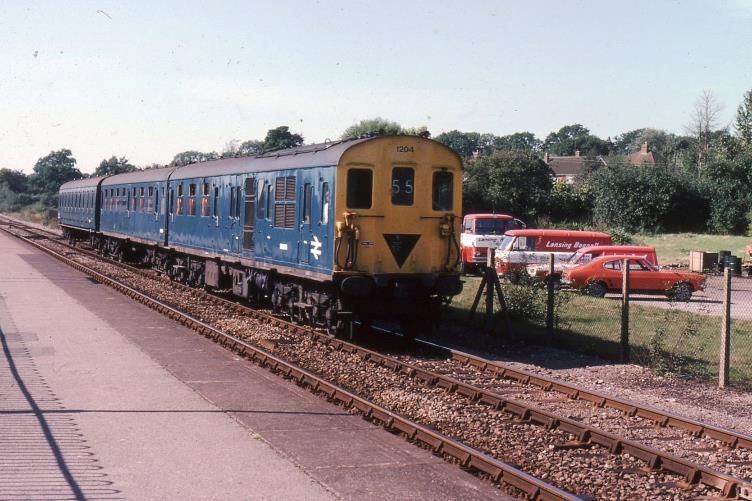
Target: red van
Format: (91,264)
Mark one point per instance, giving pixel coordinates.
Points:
(520,248)
(587,254)
(481,231)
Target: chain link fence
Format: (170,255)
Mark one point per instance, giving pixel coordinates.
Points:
(678,337)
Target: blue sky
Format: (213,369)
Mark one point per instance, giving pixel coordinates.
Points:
(146,80)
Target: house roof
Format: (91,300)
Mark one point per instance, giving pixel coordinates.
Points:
(643,156)
(566,166)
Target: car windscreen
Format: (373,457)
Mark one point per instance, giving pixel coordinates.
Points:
(491,226)
(575,257)
(505,242)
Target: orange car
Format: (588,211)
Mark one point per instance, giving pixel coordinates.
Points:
(604,274)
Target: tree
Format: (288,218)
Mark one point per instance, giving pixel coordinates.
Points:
(231,149)
(508,181)
(464,143)
(250,148)
(281,137)
(114,165)
(744,120)
(704,119)
(192,157)
(520,141)
(421,130)
(51,171)
(572,138)
(648,198)
(373,126)
(727,183)
(15,180)
(570,202)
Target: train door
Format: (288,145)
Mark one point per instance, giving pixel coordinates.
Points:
(309,243)
(162,214)
(235,231)
(249,210)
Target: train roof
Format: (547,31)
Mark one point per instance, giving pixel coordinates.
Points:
(312,155)
(140,176)
(87,182)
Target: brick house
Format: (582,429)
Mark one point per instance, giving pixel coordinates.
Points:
(567,168)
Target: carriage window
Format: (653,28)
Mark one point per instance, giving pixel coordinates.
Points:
(204,199)
(234,201)
(216,201)
(359,188)
(307,192)
(325,203)
(192,199)
(284,202)
(268,201)
(150,202)
(403,187)
(158,198)
(179,200)
(236,214)
(261,207)
(443,190)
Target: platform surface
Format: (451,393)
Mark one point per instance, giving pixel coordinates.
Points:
(103,398)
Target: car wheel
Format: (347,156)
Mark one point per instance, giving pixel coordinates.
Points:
(596,289)
(682,292)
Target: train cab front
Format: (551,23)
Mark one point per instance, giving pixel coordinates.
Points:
(397,250)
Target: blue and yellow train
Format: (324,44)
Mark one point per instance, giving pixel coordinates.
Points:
(363,229)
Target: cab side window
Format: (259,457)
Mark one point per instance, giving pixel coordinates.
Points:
(443,191)
(524,244)
(359,188)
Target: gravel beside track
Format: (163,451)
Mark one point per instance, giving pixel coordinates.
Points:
(590,471)
(736,462)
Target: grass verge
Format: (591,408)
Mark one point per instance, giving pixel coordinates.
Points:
(667,340)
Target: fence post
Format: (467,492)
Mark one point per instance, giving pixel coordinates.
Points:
(490,266)
(550,299)
(723,368)
(625,312)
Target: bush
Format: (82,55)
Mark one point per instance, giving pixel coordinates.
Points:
(526,302)
(11,201)
(620,236)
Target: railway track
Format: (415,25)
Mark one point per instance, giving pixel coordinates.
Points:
(448,395)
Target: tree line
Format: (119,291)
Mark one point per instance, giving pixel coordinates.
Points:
(701,181)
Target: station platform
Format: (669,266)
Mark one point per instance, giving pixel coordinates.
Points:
(103,398)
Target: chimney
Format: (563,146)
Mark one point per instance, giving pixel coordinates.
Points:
(644,148)
(546,158)
(577,153)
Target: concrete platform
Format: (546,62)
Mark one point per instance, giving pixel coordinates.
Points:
(102,398)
